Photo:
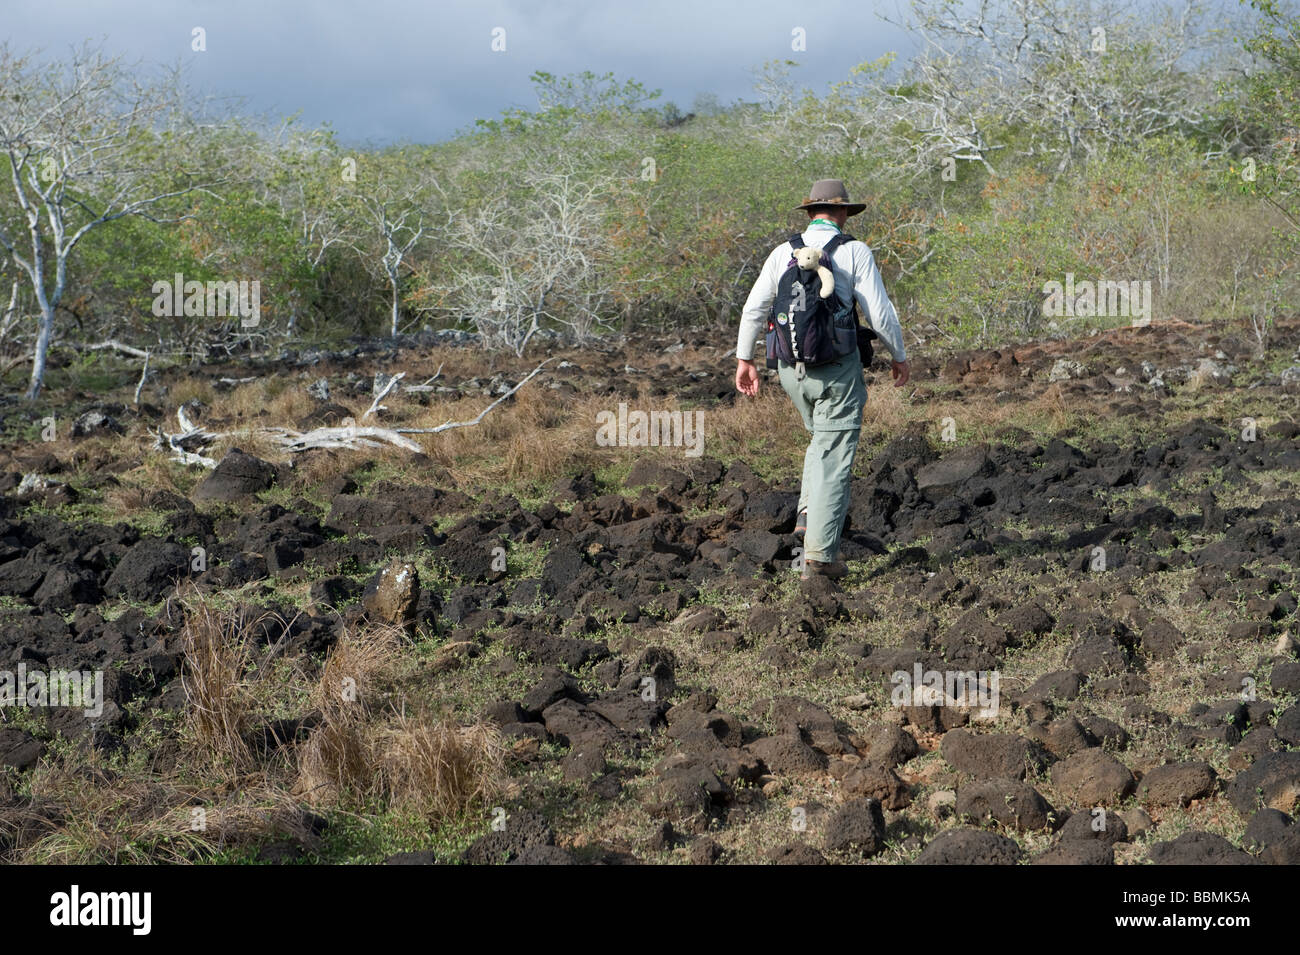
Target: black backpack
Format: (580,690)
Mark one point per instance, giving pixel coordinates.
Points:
(805,328)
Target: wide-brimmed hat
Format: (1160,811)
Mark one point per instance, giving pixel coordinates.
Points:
(831,192)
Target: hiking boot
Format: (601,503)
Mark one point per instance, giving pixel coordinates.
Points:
(815,568)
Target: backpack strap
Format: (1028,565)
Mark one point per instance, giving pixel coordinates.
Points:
(796,241)
(836,241)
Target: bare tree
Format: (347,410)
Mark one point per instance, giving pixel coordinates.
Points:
(76,142)
(1075,76)
(776,91)
(394,206)
(537,261)
(311,190)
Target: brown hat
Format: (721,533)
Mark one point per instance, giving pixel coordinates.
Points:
(831,192)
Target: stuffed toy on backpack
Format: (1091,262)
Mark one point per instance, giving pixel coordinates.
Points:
(811,260)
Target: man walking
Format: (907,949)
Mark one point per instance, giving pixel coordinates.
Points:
(830,396)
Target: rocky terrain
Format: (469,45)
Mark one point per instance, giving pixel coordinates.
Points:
(616,638)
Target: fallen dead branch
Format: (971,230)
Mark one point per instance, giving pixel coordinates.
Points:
(383,393)
(110,345)
(351,436)
(144,374)
(447,426)
(187,446)
(426,386)
(188,443)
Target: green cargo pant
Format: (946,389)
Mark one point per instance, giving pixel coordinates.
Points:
(830,398)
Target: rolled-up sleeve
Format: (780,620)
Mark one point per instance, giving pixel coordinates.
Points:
(753,317)
(869,290)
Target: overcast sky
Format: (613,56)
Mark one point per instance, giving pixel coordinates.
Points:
(420,70)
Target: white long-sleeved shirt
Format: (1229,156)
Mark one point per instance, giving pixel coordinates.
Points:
(855,271)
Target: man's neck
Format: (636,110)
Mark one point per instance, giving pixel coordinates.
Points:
(828,222)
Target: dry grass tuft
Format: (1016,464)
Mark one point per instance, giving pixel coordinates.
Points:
(216,678)
(88,816)
(272,401)
(190,389)
(356,757)
(438,768)
(313,468)
(336,763)
(1051,406)
(137,485)
(356,668)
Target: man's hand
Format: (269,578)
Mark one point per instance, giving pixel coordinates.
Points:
(900,372)
(746,378)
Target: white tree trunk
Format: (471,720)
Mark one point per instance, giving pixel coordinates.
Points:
(40,353)
(393,281)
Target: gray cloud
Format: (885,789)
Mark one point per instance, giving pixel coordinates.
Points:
(395,70)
